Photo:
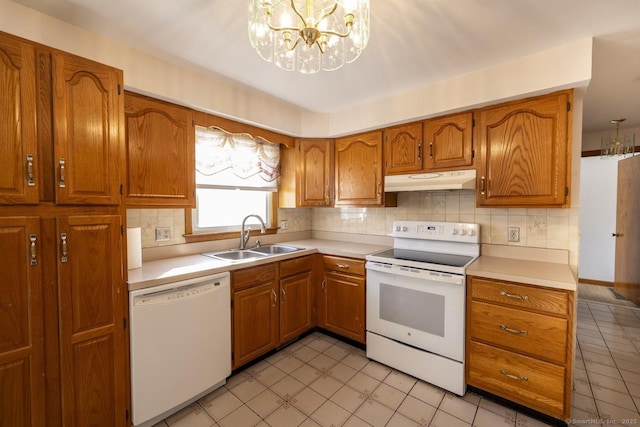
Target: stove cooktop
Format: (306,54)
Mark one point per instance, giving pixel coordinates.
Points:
(450,260)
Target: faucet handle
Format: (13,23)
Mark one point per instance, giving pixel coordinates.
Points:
(258,243)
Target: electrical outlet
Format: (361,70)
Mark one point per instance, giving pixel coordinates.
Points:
(284,224)
(514,234)
(163,234)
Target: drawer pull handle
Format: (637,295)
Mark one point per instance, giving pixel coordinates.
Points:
(274,296)
(31,182)
(342,265)
(513,377)
(520,297)
(62,162)
(323,285)
(513,331)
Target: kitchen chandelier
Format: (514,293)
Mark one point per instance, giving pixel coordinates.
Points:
(618,146)
(309,35)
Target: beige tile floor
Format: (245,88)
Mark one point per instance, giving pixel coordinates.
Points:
(320,381)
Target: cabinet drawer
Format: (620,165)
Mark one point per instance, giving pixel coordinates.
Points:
(254,276)
(529,297)
(296,265)
(345,265)
(522,331)
(525,380)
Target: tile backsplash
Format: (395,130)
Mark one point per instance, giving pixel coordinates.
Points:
(541,228)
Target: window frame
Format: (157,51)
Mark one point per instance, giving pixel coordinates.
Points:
(207,120)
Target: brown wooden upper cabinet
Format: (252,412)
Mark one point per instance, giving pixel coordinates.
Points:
(19,178)
(61,127)
(307,174)
(443,143)
(160,141)
(448,142)
(403,149)
(525,148)
(87,110)
(358,170)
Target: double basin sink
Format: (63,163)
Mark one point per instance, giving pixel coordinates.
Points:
(235,255)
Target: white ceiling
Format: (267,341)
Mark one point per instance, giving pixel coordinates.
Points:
(413,43)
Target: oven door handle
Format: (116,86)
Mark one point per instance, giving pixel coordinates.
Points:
(415,272)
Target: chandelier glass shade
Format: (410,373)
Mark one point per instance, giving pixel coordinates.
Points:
(618,145)
(309,35)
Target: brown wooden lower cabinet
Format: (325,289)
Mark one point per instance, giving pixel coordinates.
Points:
(341,299)
(62,322)
(272,304)
(520,341)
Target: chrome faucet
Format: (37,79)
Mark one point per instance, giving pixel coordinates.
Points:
(244,235)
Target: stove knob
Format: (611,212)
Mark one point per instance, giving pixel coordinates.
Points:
(472,232)
(463,232)
(454,232)
(405,228)
(397,228)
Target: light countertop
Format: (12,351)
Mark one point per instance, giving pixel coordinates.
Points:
(540,273)
(174,269)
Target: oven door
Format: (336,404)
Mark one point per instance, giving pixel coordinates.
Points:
(421,308)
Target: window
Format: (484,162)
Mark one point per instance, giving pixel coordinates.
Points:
(236,175)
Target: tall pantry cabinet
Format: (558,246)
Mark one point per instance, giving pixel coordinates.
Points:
(62,290)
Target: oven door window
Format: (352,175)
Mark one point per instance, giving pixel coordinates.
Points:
(419,310)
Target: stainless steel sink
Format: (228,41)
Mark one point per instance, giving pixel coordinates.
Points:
(235,255)
(253,253)
(275,249)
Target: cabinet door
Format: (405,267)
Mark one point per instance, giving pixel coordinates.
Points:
(524,150)
(359,170)
(255,322)
(315,172)
(88,135)
(21,340)
(296,306)
(92,297)
(449,142)
(344,305)
(18,174)
(403,149)
(160,153)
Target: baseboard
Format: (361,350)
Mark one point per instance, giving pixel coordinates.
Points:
(595,282)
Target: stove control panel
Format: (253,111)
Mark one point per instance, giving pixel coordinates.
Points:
(436,230)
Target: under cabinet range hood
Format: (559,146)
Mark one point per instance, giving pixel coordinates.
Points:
(452,180)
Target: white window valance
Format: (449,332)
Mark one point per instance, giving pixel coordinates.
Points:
(238,160)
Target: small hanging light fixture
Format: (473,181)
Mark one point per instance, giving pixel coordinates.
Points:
(618,146)
(309,35)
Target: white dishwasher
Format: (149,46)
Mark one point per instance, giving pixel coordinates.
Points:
(180,344)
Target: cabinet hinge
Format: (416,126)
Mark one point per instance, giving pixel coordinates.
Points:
(566,191)
(193,122)
(122,229)
(124,323)
(473,154)
(126,415)
(121,189)
(473,122)
(568,106)
(119,89)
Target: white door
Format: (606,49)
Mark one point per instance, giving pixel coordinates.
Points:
(598,189)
